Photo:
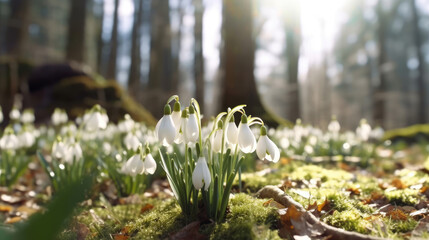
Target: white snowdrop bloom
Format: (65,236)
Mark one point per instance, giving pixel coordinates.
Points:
(149,164)
(176,116)
(364,130)
(246,139)
(266,149)
(191,129)
(181,136)
(26,139)
(133,166)
(74,153)
(334,125)
(232,132)
(59,150)
(217,141)
(201,175)
(95,121)
(14,114)
(27,116)
(377,133)
(9,141)
(107,148)
(165,130)
(127,124)
(131,141)
(59,116)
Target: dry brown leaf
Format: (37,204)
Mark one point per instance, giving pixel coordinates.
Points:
(354,191)
(120,236)
(397,183)
(190,231)
(5,208)
(146,208)
(273,203)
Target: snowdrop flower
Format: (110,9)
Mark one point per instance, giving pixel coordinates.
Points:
(364,130)
(149,164)
(1,115)
(59,149)
(131,141)
(74,153)
(176,116)
(201,175)
(165,130)
(14,114)
(232,132)
(246,139)
(334,125)
(9,141)
(266,149)
(59,116)
(26,139)
(127,124)
(377,133)
(191,129)
(27,116)
(95,119)
(181,136)
(217,138)
(133,166)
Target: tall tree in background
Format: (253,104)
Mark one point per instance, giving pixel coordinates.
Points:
(135,73)
(176,45)
(76,31)
(293,43)
(113,53)
(160,46)
(100,41)
(420,77)
(17,27)
(239,86)
(198,51)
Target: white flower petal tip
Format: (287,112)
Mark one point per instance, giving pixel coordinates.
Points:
(267,149)
(231,133)
(217,141)
(246,139)
(165,130)
(191,129)
(149,164)
(201,175)
(133,166)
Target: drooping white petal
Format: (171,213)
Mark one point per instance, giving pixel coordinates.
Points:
(75,151)
(176,116)
(267,149)
(26,139)
(191,129)
(131,141)
(59,150)
(217,141)
(201,174)
(95,121)
(149,164)
(246,139)
(133,166)
(166,132)
(231,133)
(9,142)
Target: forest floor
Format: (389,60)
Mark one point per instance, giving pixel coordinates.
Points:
(386,198)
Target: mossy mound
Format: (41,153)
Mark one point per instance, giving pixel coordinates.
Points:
(414,133)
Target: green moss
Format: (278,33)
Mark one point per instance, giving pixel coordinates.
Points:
(248,219)
(350,220)
(403,196)
(159,222)
(253,182)
(316,172)
(401,226)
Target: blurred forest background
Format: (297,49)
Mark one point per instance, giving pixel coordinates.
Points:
(306,59)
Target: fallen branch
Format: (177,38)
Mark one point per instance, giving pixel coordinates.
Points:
(324,229)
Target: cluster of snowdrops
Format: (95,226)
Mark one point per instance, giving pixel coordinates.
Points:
(200,162)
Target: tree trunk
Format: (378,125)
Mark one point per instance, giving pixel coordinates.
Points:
(135,73)
(100,42)
(175,52)
(160,46)
(421,76)
(379,91)
(239,86)
(293,43)
(198,52)
(76,31)
(17,28)
(111,66)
